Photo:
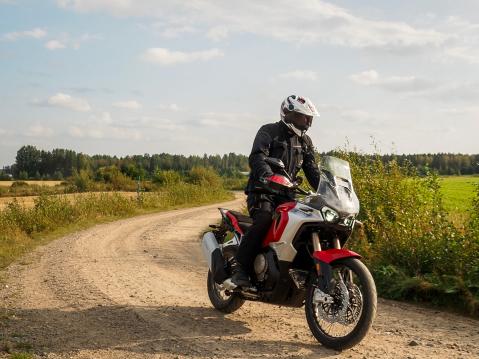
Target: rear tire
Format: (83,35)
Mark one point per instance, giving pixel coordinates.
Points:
(221,301)
(369,303)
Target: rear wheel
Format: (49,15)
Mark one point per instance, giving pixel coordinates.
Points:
(221,300)
(345,321)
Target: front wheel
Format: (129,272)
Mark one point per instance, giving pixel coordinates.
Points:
(221,300)
(344,320)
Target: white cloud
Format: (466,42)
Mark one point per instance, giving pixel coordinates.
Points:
(65,40)
(104,118)
(170,107)
(467,54)
(54,45)
(349,114)
(39,131)
(130,105)
(464,39)
(69,102)
(65,101)
(106,132)
(393,83)
(313,21)
(36,33)
(307,22)
(239,121)
(165,57)
(300,75)
(101,126)
(169,29)
(163,124)
(369,77)
(217,33)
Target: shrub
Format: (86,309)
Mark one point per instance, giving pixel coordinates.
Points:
(115,178)
(204,176)
(20,227)
(412,248)
(18,184)
(82,180)
(166,178)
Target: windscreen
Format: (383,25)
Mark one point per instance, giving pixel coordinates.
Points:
(335,188)
(336,167)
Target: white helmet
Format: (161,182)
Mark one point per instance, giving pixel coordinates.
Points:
(294,103)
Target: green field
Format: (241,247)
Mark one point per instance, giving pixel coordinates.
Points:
(458,192)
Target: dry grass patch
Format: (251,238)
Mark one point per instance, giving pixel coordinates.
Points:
(38,183)
(29,201)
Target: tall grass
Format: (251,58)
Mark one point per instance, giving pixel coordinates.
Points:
(414,250)
(23,228)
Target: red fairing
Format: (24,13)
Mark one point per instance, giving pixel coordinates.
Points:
(234,221)
(330,255)
(282,180)
(277,228)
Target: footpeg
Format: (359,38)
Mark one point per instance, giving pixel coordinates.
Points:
(229,285)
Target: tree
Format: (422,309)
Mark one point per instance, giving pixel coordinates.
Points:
(28,161)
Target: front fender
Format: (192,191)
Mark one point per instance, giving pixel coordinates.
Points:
(331,255)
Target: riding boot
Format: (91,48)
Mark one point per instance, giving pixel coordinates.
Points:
(239,275)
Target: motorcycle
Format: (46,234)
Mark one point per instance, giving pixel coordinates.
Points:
(303,260)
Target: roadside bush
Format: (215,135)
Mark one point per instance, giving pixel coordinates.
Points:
(204,176)
(166,178)
(22,228)
(115,179)
(412,248)
(235,184)
(82,180)
(19,184)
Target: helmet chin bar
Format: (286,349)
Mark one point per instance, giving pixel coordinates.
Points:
(293,128)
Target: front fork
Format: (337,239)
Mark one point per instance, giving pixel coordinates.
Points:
(324,270)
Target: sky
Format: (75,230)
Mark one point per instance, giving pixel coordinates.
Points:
(126,77)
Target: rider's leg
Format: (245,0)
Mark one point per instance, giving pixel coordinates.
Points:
(261,211)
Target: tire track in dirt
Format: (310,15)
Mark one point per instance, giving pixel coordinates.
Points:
(136,288)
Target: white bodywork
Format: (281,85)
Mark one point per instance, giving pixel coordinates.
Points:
(296,218)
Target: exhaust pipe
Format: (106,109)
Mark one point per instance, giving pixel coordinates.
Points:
(209,245)
(214,257)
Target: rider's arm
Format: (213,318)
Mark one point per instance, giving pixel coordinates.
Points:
(310,166)
(259,152)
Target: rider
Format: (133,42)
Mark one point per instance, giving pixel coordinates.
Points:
(285,140)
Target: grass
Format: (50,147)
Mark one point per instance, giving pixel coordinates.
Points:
(458,192)
(22,229)
(29,201)
(39,183)
(21,356)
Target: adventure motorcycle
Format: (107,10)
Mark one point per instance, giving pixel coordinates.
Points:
(302,261)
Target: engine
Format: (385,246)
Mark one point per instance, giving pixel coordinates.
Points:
(266,269)
(260,267)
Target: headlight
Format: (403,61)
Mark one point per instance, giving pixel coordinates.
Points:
(330,215)
(348,221)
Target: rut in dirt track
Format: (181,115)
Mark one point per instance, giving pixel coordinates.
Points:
(136,288)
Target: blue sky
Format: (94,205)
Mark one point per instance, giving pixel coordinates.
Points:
(126,77)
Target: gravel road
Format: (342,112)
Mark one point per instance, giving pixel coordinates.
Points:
(136,288)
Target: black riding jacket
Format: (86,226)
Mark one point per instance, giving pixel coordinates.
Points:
(278,141)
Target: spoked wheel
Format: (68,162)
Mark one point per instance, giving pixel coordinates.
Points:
(343,321)
(220,298)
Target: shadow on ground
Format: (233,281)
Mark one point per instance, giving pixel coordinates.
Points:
(187,331)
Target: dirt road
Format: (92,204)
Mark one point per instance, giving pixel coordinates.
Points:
(136,289)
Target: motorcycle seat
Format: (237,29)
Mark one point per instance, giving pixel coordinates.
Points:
(244,222)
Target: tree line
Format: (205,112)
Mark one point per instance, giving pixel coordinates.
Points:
(32,163)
